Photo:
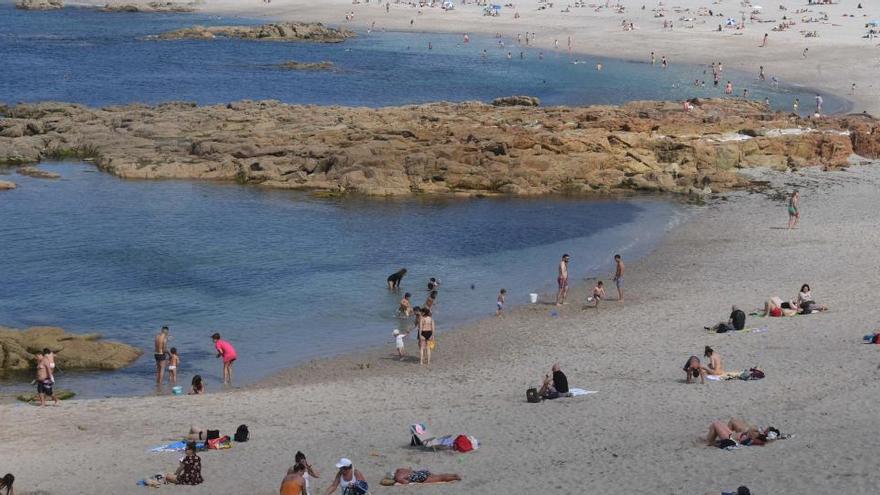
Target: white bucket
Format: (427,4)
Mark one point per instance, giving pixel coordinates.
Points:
(533,297)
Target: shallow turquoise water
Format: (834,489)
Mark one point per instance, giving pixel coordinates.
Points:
(284,276)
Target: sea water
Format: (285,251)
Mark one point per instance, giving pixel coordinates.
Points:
(96,58)
(284,276)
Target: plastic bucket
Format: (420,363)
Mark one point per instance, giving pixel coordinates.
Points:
(178,390)
(533,298)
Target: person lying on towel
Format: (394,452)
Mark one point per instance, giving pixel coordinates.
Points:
(405,476)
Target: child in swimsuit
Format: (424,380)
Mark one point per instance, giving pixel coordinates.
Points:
(173,364)
(499,303)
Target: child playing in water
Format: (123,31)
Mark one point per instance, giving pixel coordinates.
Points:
(172,366)
(598,294)
(499,303)
(398,338)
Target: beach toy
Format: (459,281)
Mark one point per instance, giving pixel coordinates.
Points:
(533,298)
(177,390)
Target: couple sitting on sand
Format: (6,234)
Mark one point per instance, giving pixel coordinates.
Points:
(803,304)
(737,432)
(555,385)
(714,367)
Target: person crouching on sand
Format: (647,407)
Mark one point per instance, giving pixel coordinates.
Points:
(227,352)
(598,294)
(197,386)
(693,369)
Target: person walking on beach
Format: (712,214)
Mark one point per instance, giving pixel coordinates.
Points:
(160,353)
(794,213)
(309,474)
(764,43)
(499,303)
(399,343)
(761,74)
(227,352)
(618,276)
(562,280)
(426,336)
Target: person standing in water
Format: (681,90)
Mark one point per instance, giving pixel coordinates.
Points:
(618,276)
(395,278)
(562,280)
(405,308)
(796,105)
(499,303)
(227,352)
(161,353)
(794,212)
(426,336)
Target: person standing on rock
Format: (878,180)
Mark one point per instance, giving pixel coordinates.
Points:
(562,280)
(161,353)
(227,352)
(618,276)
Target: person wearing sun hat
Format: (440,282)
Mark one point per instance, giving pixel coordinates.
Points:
(349,480)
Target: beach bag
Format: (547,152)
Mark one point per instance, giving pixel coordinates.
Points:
(218,443)
(462,444)
(241,434)
(212,434)
(532,395)
(359,487)
(755,374)
(876,339)
(432,344)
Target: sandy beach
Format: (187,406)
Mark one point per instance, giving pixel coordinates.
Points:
(837,58)
(639,434)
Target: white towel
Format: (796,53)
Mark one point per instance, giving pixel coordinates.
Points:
(577,392)
(714,378)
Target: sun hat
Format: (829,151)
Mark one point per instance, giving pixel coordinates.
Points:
(343,463)
(396,332)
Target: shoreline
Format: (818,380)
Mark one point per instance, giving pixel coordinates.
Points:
(637,432)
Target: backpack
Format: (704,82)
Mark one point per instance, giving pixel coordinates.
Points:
(532,395)
(212,434)
(241,434)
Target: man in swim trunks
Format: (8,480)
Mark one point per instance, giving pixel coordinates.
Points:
(160,353)
(562,280)
(44,380)
(618,276)
(405,476)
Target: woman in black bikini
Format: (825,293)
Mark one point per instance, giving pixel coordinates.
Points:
(426,336)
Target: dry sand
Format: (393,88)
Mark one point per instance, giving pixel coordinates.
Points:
(639,434)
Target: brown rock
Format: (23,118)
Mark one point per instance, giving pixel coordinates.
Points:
(17,349)
(5,185)
(39,4)
(37,173)
(286,31)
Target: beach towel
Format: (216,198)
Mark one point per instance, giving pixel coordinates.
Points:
(176,447)
(577,392)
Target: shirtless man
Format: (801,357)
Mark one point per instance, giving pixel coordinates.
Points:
(562,280)
(618,276)
(161,353)
(44,380)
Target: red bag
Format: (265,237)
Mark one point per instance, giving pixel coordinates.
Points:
(215,443)
(777,312)
(462,444)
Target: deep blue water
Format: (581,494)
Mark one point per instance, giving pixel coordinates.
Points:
(284,276)
(96,58)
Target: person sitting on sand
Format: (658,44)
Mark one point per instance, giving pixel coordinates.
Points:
(198,388)
(405,476)
(6,482)
(736,321)
(294,483)
(693,369)
(776,307)
(405,308)
(395,278)
(190,470)
(805,303)
(555,385)
(715,366)
(347,478)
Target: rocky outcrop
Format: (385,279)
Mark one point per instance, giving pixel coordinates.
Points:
(150,7)
(39,4)
(74,351)
(37,173)
(5,185)
(516,101)
(294,65)
(439,148)
(286,31)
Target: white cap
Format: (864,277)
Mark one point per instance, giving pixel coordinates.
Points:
(396,332)
(343,463)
